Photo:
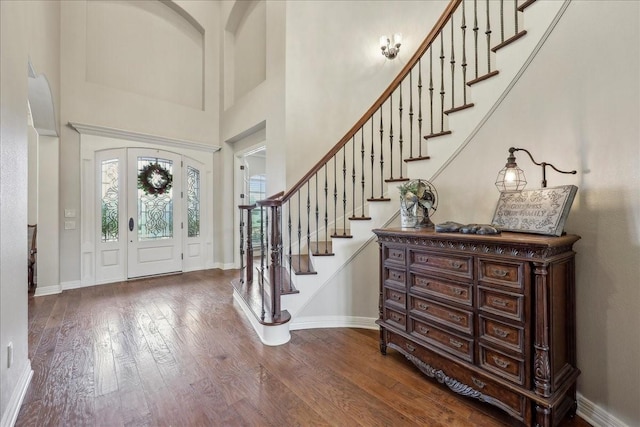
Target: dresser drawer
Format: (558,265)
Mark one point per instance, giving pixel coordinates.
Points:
(457,319)
(395,298)
(393,255)
(503,365)
(458,265)
(502,273)
(394,277)
(458,346)
(395,318)
(501,303)
(500,333)
(462,380)
(441,288)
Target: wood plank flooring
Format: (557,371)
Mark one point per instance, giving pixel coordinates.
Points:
(176,351)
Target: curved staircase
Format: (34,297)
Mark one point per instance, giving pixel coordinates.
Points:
(310,234)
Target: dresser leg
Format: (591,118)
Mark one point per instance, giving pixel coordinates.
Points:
(543,416)
(383,343)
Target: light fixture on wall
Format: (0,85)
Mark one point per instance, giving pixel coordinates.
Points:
(390,50)
(511,177)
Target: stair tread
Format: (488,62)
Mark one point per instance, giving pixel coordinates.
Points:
(415,159)
(340,233)
(508,41)
(301,265)
(322,248)
(401,179)
(435,135)
(360,218)
(482,78)
(378,199)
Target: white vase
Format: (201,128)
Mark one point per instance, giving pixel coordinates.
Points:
(408,212)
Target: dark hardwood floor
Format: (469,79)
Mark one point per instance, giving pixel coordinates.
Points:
(177,351)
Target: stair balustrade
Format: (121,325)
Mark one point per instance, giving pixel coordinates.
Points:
(355,172)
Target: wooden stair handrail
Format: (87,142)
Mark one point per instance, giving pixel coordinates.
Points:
(439,26)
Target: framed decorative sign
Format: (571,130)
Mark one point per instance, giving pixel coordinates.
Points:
(541,211)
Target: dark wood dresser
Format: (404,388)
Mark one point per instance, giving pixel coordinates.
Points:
(491,317)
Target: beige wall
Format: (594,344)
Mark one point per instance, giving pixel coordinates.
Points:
(577,106)
(14,27)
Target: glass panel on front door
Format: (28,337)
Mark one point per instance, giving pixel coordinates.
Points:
(109,200)
(193,201)
(155,207)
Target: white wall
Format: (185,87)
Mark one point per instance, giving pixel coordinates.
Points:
(154,108)
(250,47)
(577,106)
(14,27)
(335,69)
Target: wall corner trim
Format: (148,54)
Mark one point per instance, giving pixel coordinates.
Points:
(87,129)
(13,408)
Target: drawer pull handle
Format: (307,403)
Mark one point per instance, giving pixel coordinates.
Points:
(500,362)
(395,297)
(411,348)
(424,330)
(395,317)
(455,317)
(455,343)
(477,382)
(457,291)
(500,332)
(422,259)
(423,306)
(500,302)
(500,273)
(456,264)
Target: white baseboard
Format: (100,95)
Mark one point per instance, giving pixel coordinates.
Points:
(596,415)
(47,290)
(13,408)
(225,266)
(316,322)
(74,284)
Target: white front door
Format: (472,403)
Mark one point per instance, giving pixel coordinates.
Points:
(154,205)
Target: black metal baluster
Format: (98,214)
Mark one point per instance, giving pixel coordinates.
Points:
(391,137)
(308,226)
(442,92)
(419,106)
(317,218)
(475,34)
(362,180)
(326,206)
(344,188)
(488,33)
(400,141)
(335,195)
(241,245)
(464,54)
(373,154)
(290,228)
(515,16)
(353,176)
(501,21)
(381,156)
(299,235)
(411,114)
(431,89)
(453,67)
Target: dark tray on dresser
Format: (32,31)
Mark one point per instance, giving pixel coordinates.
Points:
(491,317)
